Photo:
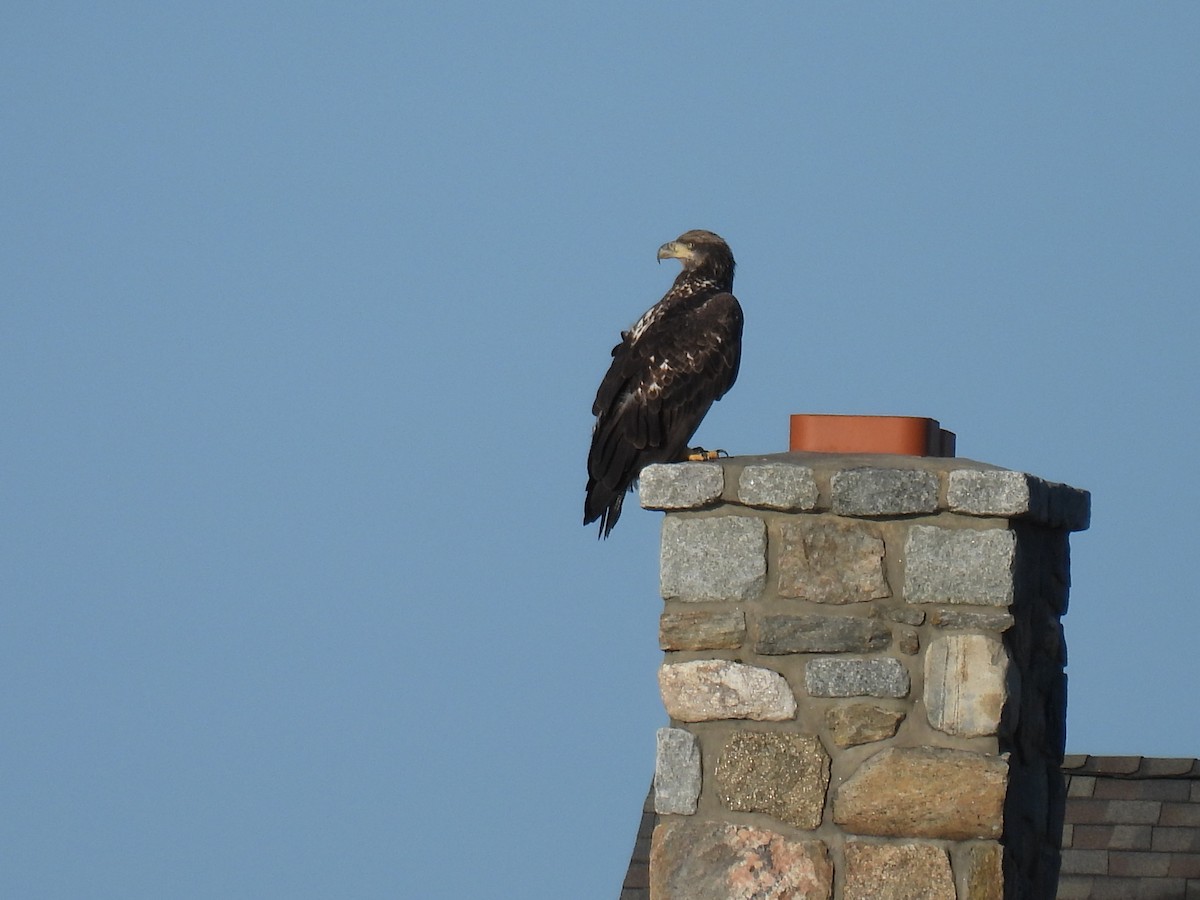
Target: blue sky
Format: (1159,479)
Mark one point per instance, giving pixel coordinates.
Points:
(304,308)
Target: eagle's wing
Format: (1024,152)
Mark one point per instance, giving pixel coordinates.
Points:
(662,381)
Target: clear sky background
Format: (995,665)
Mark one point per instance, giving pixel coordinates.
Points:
(303,309)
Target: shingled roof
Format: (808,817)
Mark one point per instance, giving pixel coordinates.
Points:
(637,878)
(1132,830)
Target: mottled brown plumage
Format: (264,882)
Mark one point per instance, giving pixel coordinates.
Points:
(676,360)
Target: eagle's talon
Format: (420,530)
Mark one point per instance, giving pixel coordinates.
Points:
(699,454)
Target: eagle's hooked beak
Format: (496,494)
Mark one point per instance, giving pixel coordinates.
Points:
(674,250)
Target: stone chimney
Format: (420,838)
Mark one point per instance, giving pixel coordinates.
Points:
(864,675)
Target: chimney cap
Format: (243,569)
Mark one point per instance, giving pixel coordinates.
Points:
(901,435)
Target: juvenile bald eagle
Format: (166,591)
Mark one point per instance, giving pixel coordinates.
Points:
(679,357)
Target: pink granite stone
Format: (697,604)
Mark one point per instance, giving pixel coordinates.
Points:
(692,860)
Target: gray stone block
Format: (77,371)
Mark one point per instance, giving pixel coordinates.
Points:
(821,634)
(880,677)
(778,486)
(721,558)
(676,772)
(883,492)
(908,641)
(906,615)
(949,565)
(1002,492)
(680,485)
(970,619)
(995,492)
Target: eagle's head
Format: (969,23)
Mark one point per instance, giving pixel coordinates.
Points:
(702,253)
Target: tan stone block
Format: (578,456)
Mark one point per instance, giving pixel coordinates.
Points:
(985,872)
(706,689)
(828,560)
(924,792)
(965,684)
(861,723)
(897,872)
(782,775)
(701,630)
(692,860)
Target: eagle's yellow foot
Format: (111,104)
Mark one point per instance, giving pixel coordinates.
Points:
(699,454)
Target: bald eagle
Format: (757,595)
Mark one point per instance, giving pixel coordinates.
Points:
(677,359)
